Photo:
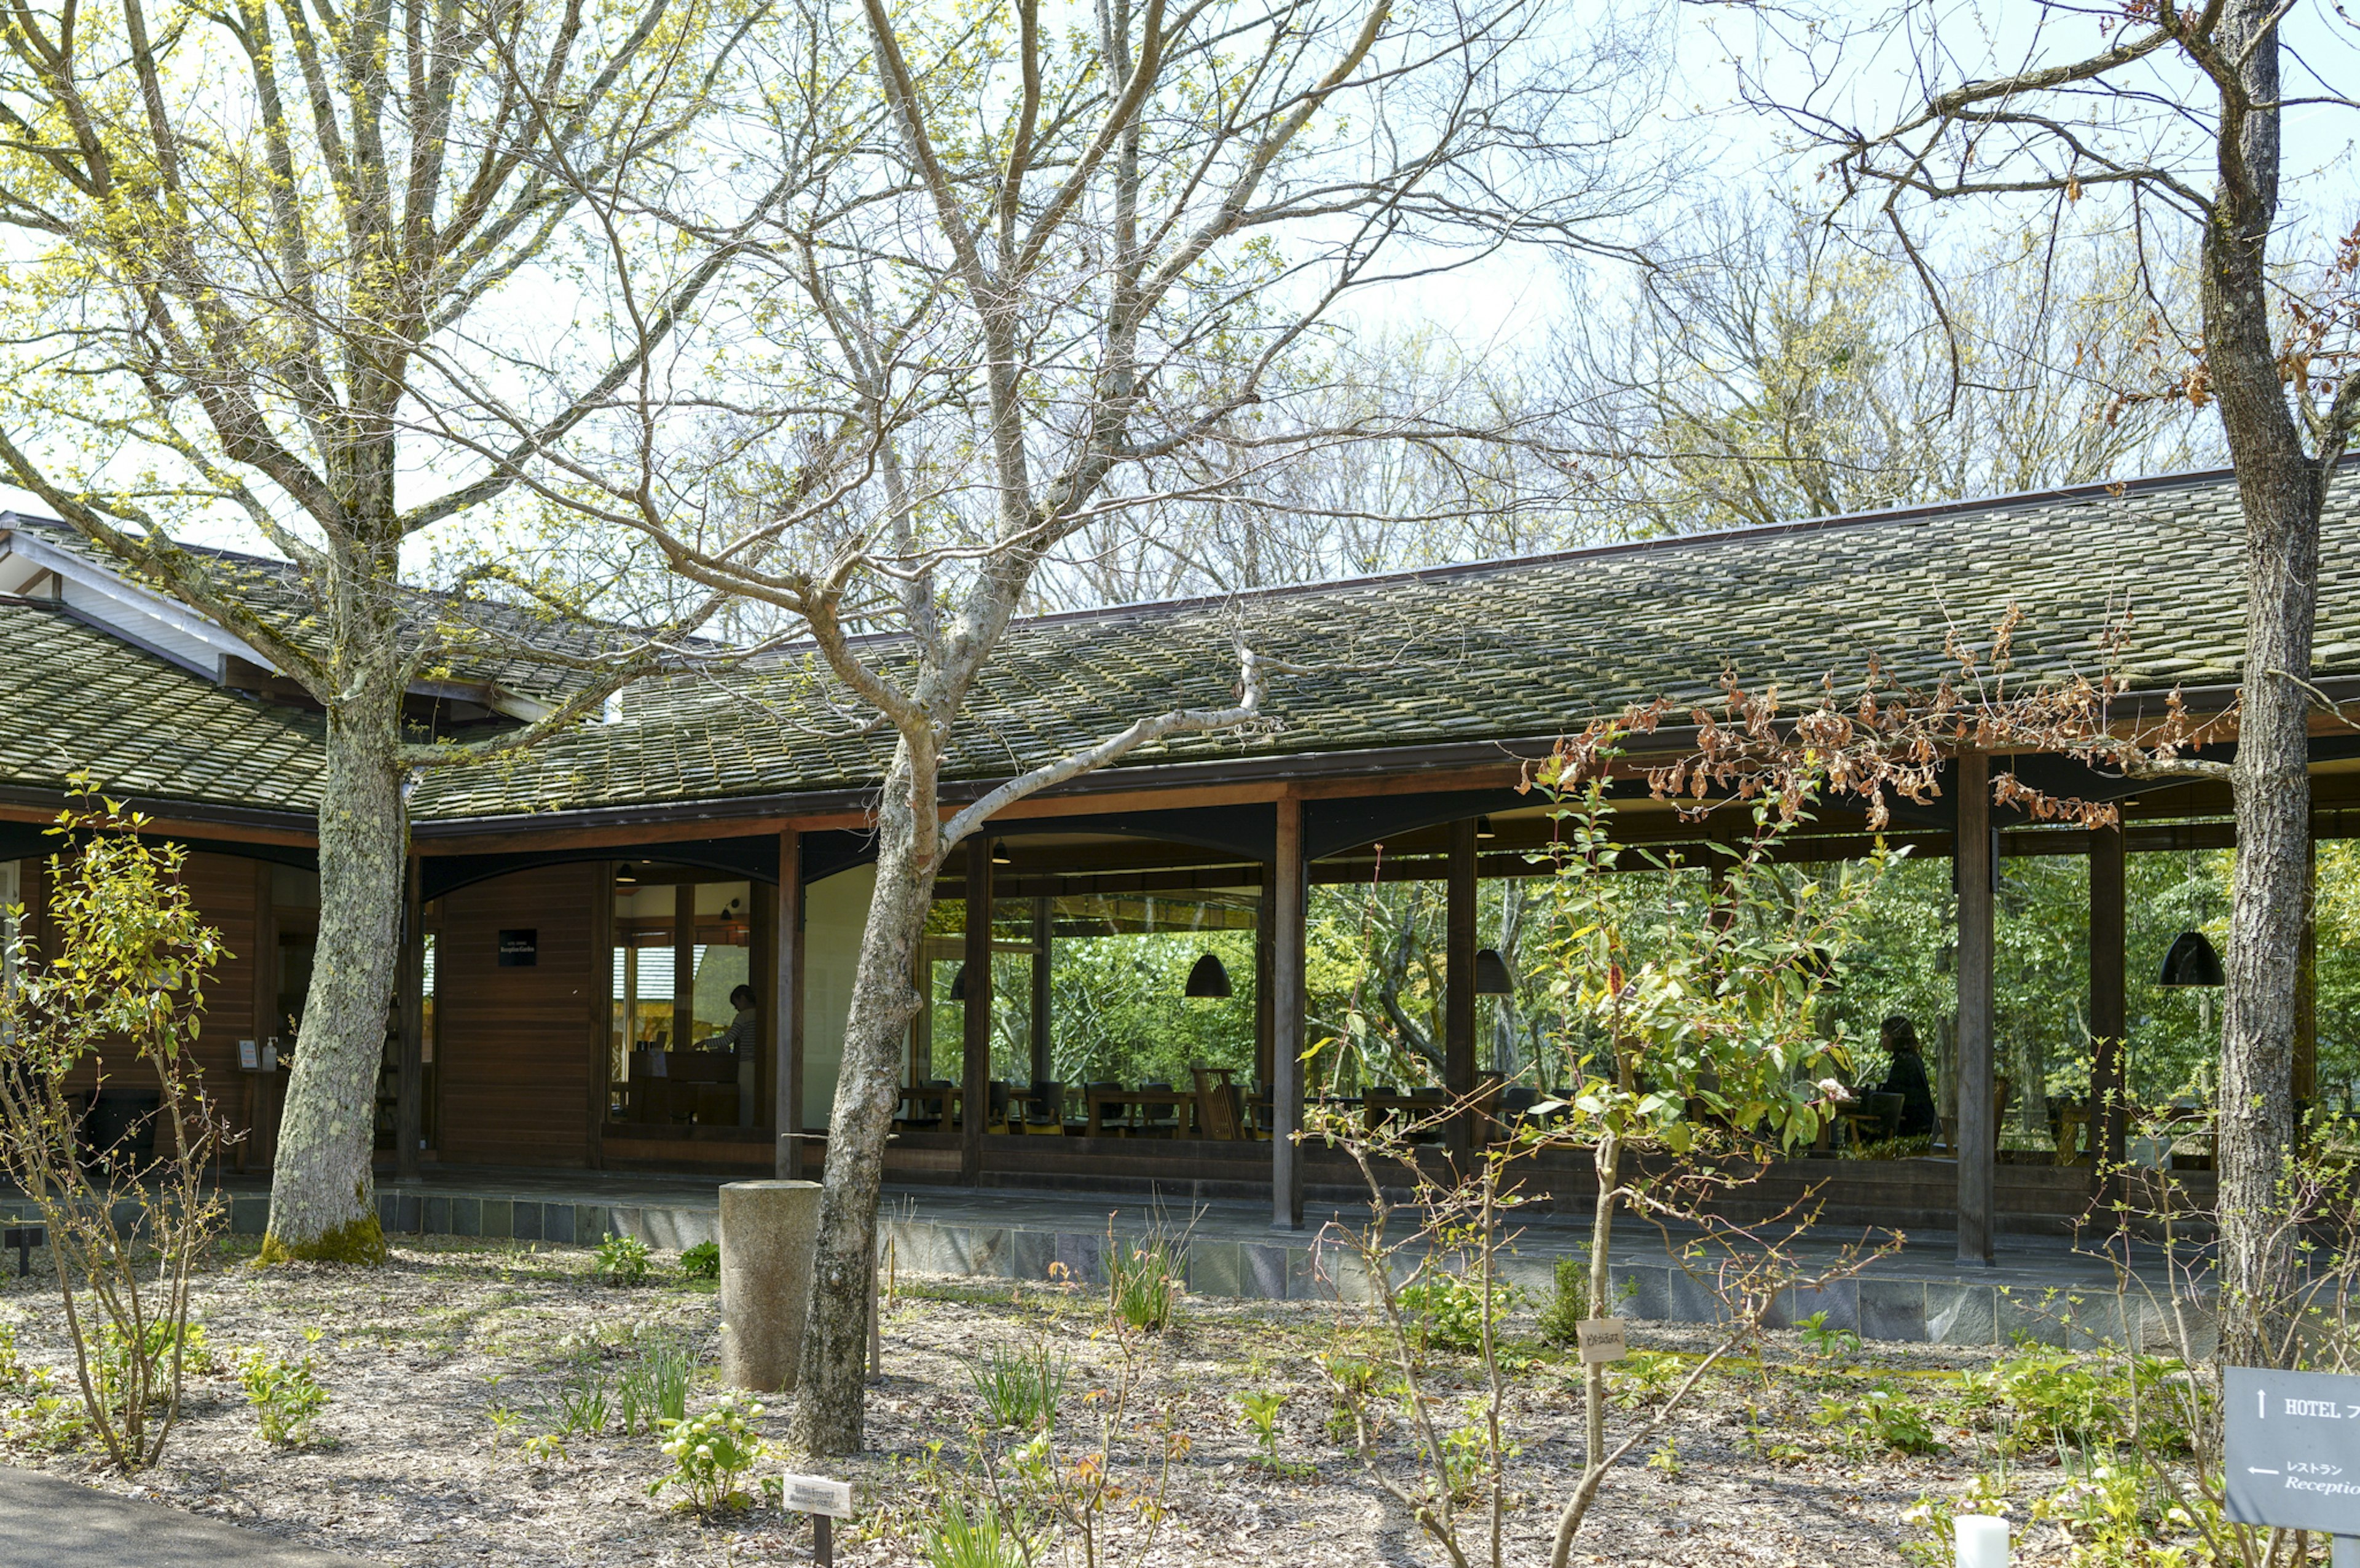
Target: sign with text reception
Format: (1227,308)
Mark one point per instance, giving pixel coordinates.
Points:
(2292,1448)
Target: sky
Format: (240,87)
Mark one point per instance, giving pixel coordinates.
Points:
(1729,145)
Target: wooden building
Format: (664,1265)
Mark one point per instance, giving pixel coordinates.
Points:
(583,914)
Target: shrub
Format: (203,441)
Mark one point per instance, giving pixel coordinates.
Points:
(654,1388)
(1143,1280)
(1883,1420)
(702,1261)
(956,1540)
(1568,1304)
(1450,1309)
(284,1394)
(1019,1389)
(1825,1343)
(582,1405)
(623,1259)
(709,1452)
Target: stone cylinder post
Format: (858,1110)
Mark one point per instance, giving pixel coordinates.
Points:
(768,1229)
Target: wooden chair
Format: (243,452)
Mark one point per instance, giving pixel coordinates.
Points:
(1158,1121)
(1218,1113)
(2001,1089)
(1044,1110)
(1112,1114)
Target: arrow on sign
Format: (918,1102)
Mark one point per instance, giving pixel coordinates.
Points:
(2257,1470)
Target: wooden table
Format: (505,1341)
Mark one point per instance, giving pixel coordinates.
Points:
(1184,1125)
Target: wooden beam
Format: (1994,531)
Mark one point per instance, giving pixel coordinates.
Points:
(684,965)
(1287,920)
(1044,1068)
(601,999)
(975,1076)
(1975,868)
(1263,983)
(409,1105)
(2109,1095)
(787,1011)
(2306,989)
(1459,978)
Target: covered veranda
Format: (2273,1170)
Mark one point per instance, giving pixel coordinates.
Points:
(1213,885)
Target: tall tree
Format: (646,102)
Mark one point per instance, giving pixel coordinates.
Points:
(1782,369)
(1037,274)
(2178,118)
(295,263)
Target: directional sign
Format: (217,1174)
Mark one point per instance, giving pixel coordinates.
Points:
(2291,1449)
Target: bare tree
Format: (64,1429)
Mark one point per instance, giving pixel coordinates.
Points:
(2175,120)
(1032,277)
(297,265)
(1787,369)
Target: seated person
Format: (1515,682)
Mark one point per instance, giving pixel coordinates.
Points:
(743,1038)
(1907,1077)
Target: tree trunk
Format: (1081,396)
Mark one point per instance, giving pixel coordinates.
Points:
(322,1191)
(831,1389)
(2282,490)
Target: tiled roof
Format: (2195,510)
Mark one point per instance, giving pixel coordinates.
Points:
(1517,649)
(78,697)
(1512,649)
(496,642)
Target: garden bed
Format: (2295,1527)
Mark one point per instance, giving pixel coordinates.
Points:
(450,1370)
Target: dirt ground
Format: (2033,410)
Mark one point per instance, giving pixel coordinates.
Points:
(440,1366)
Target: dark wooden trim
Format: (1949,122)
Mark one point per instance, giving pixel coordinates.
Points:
(787,1010)
(1288,903)
(1975,870)
(1459,909)
(1044,943)
(408,1113)
(2108,1008)
(2306,985)
(975,1060)
(602,1016)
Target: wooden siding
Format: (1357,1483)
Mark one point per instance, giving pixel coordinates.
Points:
(520,1051)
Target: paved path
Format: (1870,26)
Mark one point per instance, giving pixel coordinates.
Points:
(46,1522)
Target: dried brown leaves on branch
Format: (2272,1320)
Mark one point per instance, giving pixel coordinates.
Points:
(1884,740)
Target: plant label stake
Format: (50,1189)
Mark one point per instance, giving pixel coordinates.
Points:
(2292,1451)
(24,1238)
(1602,1339)
(826,1501)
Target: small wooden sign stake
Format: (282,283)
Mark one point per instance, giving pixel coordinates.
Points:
(827,1501)
(1602,1339)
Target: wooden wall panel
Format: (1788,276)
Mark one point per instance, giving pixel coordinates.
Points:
(224,887)
(516,1050)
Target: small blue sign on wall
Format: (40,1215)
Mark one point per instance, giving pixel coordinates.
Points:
(2292,1448)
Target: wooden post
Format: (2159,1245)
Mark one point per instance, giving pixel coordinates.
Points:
(976,1094)
(1263,919)
(1978,1136)
(684,965)
(1288,889)
(2109,1089)
(787,1010)
(2306,989)
(1459,909)
(1044,1067)
(409,1104)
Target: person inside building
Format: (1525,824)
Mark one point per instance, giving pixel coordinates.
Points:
(742,1039)
(1907,1076)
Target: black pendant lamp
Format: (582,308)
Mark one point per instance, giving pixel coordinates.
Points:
(1492,978)
(1208,979)
(2191,962)
(1000,853)
(959,984)
(1483,828)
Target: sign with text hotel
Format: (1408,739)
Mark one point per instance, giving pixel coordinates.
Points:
(2291,1449)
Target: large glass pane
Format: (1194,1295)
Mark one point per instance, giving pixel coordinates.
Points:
(1119,966)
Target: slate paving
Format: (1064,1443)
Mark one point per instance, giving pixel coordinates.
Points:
(47,1522)
(2043,1288)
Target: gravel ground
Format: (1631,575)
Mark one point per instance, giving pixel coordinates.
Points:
(408,1464)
